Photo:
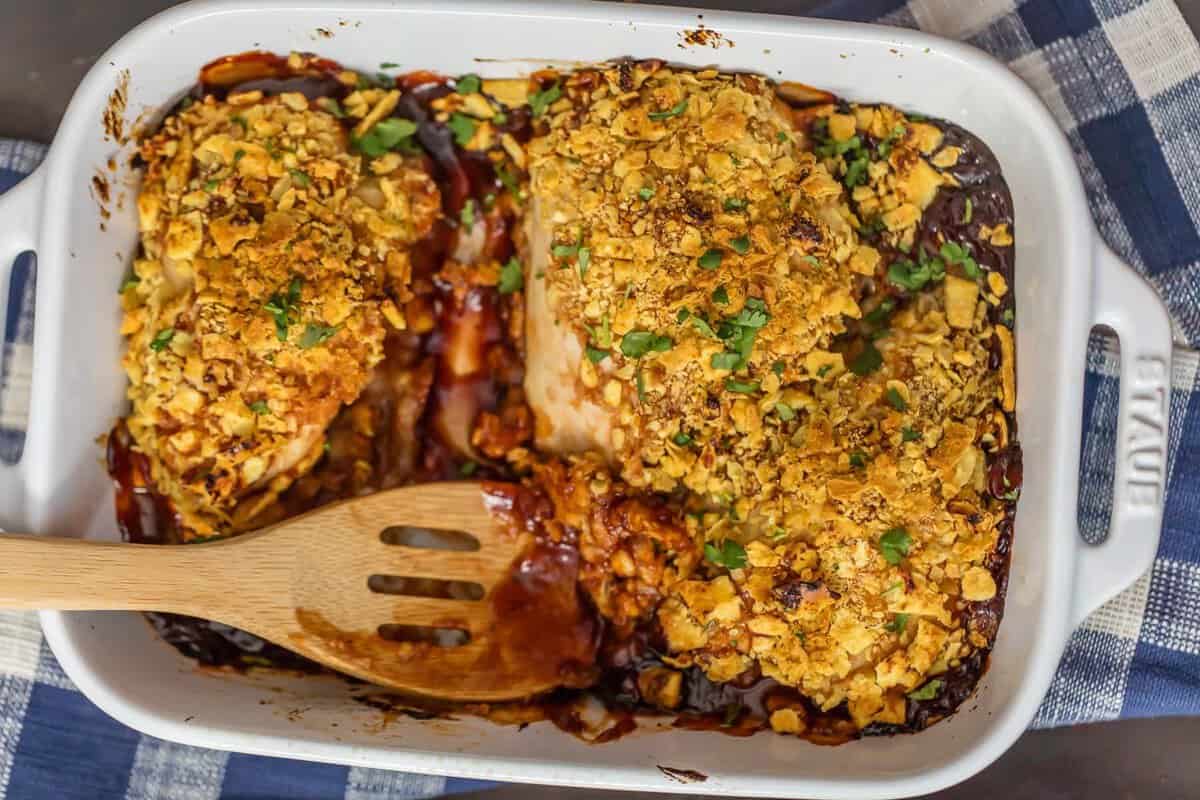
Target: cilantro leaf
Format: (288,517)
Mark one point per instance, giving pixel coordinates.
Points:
(385,135)
(542,100)
(894,545)
(730,554)
(785,412)
(511,277)
(740,245)
(896,400)
(734,204)
(467,215)
(711,259)
(726,360)
(315,334)
(741,387)
(300,178)
(463,128)
(898,624)
(869,360)
(674,111)
(162,339)
(646,193)
(636,344)
(909,435)
(858,459)
(682,439)
(468,84)
(928,691)
(721,296)
(595,354)
(260,407)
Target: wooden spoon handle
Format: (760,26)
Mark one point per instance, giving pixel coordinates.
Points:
(77,575)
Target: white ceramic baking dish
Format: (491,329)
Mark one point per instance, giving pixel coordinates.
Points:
(1066,282)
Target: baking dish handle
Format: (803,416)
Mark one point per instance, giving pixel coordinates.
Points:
(1123,301)
(19,210)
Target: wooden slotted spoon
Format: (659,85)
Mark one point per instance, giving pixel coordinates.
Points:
(303,584)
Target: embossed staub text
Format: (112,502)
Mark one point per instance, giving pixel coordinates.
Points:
(1144,448)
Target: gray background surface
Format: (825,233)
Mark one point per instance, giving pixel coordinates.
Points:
(48,45)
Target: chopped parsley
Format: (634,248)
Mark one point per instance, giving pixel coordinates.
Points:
(711,259)
(595,354)
(636,344)
(928,691)
(315,334)
(896,400)
(738,334)
(898,624)
(881,311)
(387,134)
(682,439)
(884,148)
(511,278)
(282,306)
(734,204)
(869,360)
(785,412)
(698,321)
(823,370)
(646,193)
(238,155)
(726,360)
(1007,317)
(777,368)
(730,554)
(463,128)
(129,283)
(162,339)
(585,258)
(602,333)
(858,459)
(467,84)
(509,182)
(388,65)
(894,545)
(741,387)
(499,118)
(211,186)
(721,296)
(260,407)
(467,215)
(300,178)
(740,245)
(781,136)
(909,435)
(640,382)
(957,254)
(542,100)
(674,111)
(856,172)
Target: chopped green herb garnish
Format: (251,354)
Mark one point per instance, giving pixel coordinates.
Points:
(260,407)
(898,624)
(741,387)
(909,435)
(467,84)
(781,136)
(823,370)
(777,368)
(240,120)
(682,439)
(727,361)
(540,101)
(711,259)
(730,554)
(636,344)
(385,135)
(858,459)
(564,250)
(1007,317)
(509,182)
(674,111)
(129,283)
(463,128)
(162,339)
(640,382)
(702,325)
(734,204)
(869,360)
(957,254)
(468,468)
(785,412)
(740,245)
(1012,495)
(315,334)
(489,201)
(856,172)
(389,65)
(896,400)
(646,193)
(928,691)
(595,354)
(585,258)
(894,545)
(880,312)
(511,278)
(467,215)
(913,277)
(211,186)
(721,296)
(333,107)
(238,155)
(892,588)
(282,305)
(500,118)
(968,211)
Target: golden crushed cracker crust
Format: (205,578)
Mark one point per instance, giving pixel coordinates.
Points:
(267,252)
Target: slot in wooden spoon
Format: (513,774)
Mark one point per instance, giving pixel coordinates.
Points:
(303,584)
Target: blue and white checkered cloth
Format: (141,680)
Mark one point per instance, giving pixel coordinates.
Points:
(1123,79)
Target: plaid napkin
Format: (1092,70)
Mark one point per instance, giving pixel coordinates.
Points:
(1123,79)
